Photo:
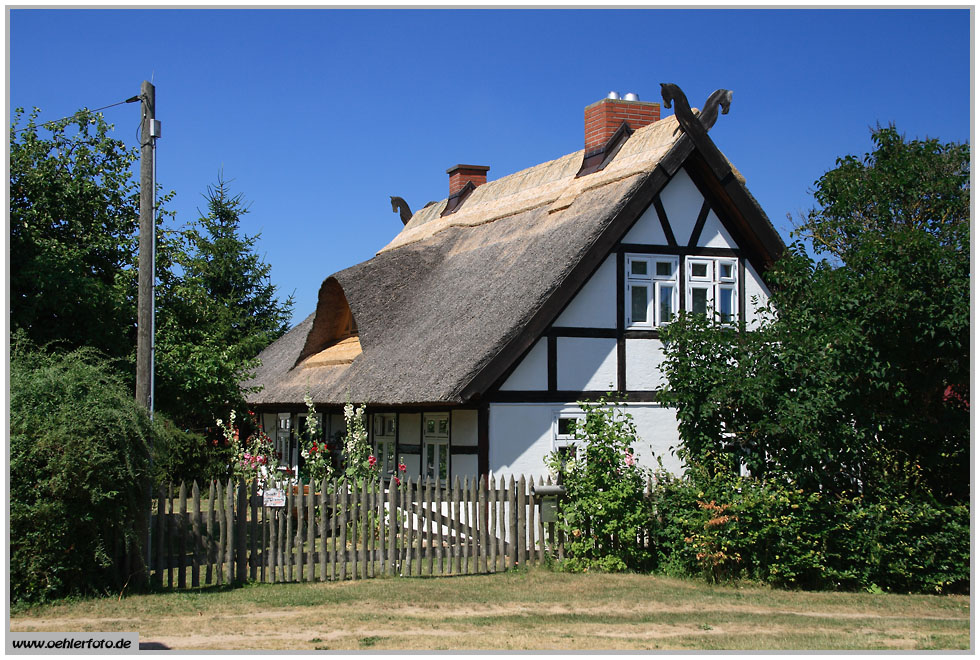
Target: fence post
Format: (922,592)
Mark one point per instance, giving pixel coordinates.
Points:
(182,537)
(540,531)
(334,532)
(474,521)
(323,529)
(219,569)
(392,522)
(196,535)
(230,513)
(456,543)
(253,560)
(365,518)
(209,538)
(158,537)
(344,499)
(502,523)
(483,526)
(241,532)
(492,520)
(512,501)
(419,529)
(522,521)
(440,534)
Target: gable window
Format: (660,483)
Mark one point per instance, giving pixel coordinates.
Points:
(651,290)
(712,287)
(385,431)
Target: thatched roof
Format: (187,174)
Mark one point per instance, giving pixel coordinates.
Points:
(449,296)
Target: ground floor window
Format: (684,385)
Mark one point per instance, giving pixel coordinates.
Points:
(435,445)
(564,434)
(385,432)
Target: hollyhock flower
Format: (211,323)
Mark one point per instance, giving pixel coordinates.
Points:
(372,460)
(630,460)
(401,467)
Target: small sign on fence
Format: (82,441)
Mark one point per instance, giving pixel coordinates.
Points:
(273,497)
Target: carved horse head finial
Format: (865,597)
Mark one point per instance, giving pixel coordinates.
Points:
(400,206)
(672,94)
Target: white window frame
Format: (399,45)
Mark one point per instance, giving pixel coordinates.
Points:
(714,284)
(565,441)
(652,283)
(385,434)
(434,441)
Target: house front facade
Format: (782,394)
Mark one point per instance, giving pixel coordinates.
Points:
(471,337)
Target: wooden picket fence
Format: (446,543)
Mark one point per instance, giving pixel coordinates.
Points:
(339,531)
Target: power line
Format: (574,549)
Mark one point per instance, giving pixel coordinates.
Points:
(132,99)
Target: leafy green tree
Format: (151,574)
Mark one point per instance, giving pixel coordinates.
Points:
(217,309)
(74,212)
(858,377)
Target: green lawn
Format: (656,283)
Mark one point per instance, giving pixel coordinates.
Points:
(524,610)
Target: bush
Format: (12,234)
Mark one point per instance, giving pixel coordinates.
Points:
(78,462)
(726,527)
(182,455)
(604,507)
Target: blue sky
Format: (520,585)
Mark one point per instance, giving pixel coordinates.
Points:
(318,115)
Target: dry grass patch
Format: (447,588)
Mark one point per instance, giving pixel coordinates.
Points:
(521,611)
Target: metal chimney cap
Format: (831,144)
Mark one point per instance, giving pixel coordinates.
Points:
(631,97)
(613,95)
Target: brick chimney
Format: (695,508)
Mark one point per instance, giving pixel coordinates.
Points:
(463,179)
(460,175)
(603,118)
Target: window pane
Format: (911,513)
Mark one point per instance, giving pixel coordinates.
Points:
(638,304)
(566,425)
(664,268)
(699,270)
(725,271)
(726,304)
(699,301)
(638,267)
(666,303)
(430,426)
(443,426)
(443,462)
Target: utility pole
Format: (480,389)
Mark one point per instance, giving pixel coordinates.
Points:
(149,131)
(145,312)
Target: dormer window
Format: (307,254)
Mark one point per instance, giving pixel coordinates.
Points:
(651,290)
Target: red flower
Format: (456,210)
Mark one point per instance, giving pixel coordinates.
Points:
(313,449)
(398,481)
(401,466)
(372,460)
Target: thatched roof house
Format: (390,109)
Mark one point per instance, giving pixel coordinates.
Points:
(460,317)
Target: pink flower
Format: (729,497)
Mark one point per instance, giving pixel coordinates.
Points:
(247,456)
(398,481)
(630,460)
(401,466)
(372,460)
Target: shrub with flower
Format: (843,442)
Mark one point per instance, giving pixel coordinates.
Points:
(255,458)
(604,507)
(361,464)
(315,450)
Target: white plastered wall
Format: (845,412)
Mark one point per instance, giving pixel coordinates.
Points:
(522,435)
(647,229)
(592,306)
(643,359)
(756,294)
(586,364)
(532,372)
(682,203)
